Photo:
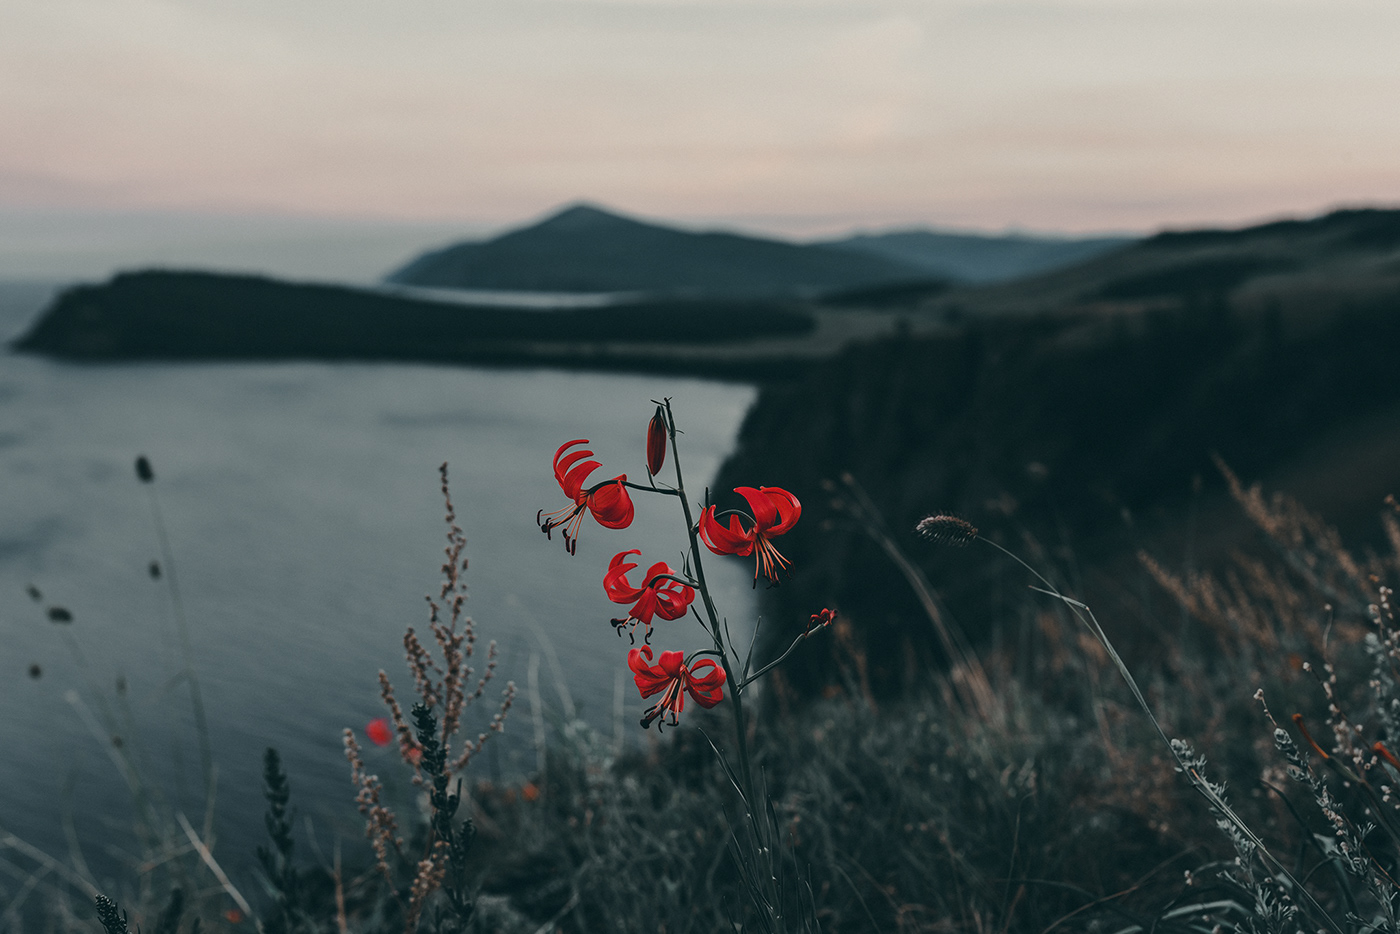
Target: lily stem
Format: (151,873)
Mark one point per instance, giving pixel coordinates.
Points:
(781,658)
(647,489)
(736,686)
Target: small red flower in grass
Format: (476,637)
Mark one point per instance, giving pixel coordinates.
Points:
(775,510)
(607,501)
(379,731)
(673,679)
(658,595)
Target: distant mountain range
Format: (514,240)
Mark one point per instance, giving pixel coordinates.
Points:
(587,249)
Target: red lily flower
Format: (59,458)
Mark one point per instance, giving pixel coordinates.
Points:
(658,595)
(775,510)
(673,679)
(607,501)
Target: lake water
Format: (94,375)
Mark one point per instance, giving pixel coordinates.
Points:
(302,506)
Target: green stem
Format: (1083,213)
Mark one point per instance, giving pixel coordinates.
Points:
(646,489)
(736,686)
(206,754)
(781,658)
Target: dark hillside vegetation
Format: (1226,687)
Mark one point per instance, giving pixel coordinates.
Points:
(1301,269)
(193,315)
(1089,430)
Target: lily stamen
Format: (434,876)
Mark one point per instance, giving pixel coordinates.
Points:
(775,510)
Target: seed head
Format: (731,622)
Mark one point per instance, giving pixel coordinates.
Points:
(946,530)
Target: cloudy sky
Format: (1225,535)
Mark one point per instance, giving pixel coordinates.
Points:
(790,116)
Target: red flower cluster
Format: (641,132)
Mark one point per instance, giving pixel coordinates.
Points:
(775,510)
(607,501)
(660,594)
(672,678)
(663,592)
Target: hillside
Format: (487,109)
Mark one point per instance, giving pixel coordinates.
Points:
(1297,269)
(194,315)
(585,249)
(1075,416)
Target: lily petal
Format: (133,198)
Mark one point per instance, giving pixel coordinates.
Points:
(615,580)
(765,513)
(722,541)
(707,689)
(573,481)
(611,505)
(789,509)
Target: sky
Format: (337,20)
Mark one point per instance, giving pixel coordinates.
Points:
(370,127)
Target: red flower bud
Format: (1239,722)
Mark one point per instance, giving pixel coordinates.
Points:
(656,443)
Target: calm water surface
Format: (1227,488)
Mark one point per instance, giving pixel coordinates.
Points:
(302,505)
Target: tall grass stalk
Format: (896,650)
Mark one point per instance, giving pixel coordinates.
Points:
(1187,762)
(968,677)
(146,475)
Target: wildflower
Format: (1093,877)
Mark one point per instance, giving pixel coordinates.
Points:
(607,501)
(775,510)
(821,620)
(379,732)
(656,443)
(659,595)
(673,679)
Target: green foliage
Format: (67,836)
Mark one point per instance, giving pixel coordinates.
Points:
(285,916)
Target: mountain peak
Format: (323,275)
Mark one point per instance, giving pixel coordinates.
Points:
(583,217)
(585,248)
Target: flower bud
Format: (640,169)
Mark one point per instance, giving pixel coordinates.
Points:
(656,443)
